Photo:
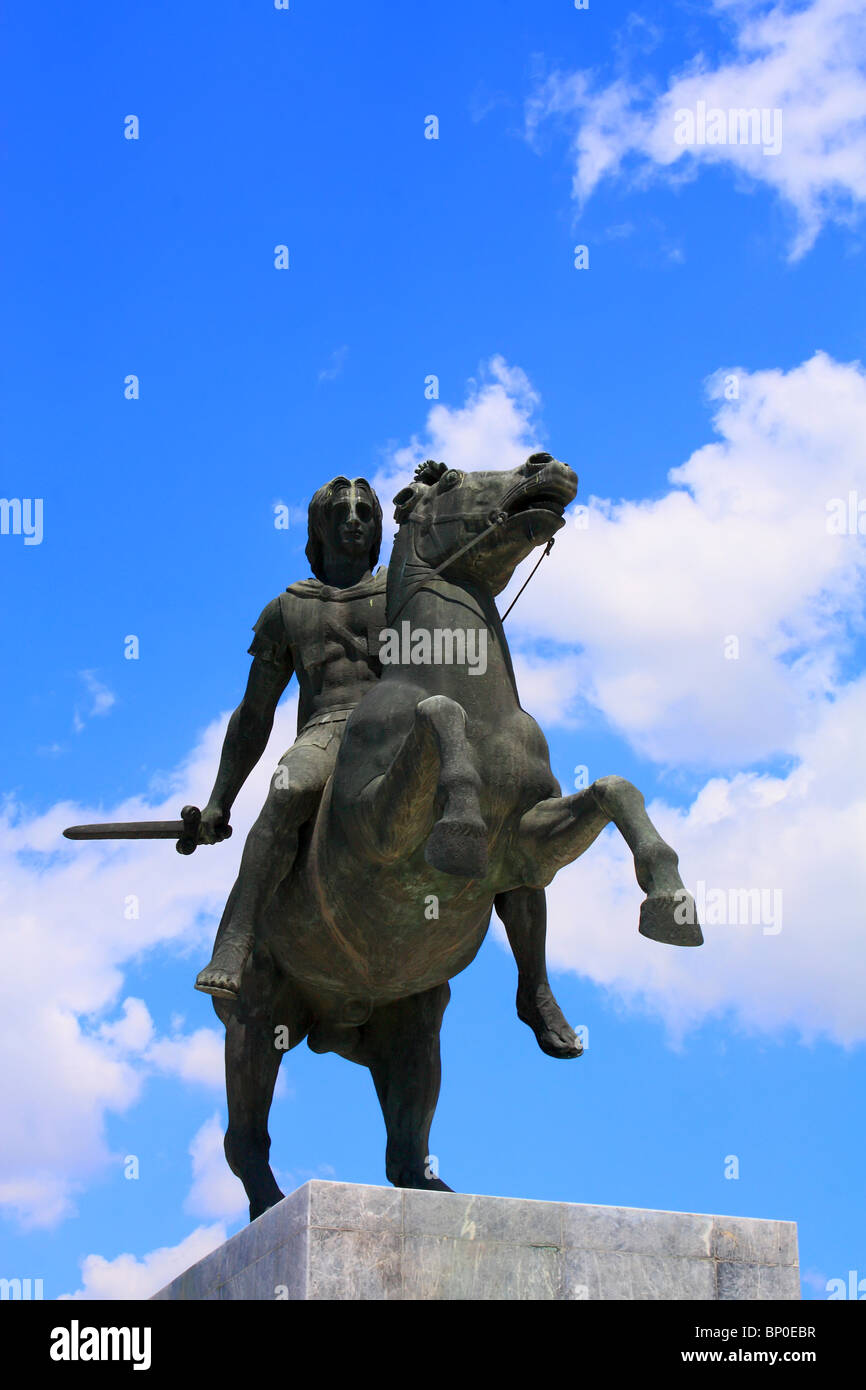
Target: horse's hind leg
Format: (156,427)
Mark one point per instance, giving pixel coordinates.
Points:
(253,1054)
(523,912)
(400,1045)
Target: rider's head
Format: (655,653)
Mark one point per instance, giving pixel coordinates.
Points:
(344,517)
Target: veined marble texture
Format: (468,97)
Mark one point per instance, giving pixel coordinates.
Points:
(332,1240)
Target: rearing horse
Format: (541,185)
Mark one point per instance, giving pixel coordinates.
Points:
(442,793)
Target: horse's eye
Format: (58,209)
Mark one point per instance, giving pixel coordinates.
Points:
(449,480)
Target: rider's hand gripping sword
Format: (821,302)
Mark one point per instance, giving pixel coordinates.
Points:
(185,830)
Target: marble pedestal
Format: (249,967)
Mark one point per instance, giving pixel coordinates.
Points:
(333,1240)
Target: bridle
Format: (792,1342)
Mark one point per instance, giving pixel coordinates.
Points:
(495,518)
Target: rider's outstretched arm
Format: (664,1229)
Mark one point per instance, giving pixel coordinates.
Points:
(246,739)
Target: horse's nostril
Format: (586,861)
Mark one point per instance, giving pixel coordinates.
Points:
(567,473)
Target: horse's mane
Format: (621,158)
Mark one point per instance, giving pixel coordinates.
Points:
(430,471)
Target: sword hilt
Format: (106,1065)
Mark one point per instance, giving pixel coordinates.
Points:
(191,817)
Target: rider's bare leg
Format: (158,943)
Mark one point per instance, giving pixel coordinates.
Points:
(523,912)
(268,856)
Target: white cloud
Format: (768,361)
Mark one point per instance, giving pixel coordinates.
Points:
(215,1191)
(493,429)
(101,701)
(801,834)
(128,1276)
(549,686)
(634,612)
(649,592)
(71,1056)
(641,602)
(196,1057)
(806,62)
(132,1031)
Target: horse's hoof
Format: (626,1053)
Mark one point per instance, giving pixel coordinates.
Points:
(458,847)
(259,1207)
(539,1010)
(418,1181)
(671,918)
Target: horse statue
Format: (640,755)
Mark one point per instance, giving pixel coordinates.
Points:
(442,794)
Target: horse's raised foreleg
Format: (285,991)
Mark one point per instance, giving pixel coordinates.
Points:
(557,831)
(432,771)
(253,1052)
(400,1045)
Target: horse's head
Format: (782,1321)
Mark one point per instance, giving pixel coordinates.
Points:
(443,510)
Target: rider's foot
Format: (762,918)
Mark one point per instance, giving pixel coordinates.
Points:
(538,1008)
(218,982)
(222,977)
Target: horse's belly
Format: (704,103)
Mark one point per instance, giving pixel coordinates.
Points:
(385,931)
(388,941)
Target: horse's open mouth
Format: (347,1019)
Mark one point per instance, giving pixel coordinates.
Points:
(549,496)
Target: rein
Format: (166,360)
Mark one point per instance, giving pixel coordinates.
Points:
(546,551)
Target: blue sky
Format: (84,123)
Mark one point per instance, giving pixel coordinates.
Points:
(453,257)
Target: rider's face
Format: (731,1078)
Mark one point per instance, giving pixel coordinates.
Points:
(350,522)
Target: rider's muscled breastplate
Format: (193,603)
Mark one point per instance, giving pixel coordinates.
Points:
(333,638)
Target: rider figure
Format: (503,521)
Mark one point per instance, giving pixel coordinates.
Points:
(327,630)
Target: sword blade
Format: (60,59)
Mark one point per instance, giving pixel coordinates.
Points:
(128,830)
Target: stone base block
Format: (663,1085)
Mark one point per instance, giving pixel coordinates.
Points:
(333,1240)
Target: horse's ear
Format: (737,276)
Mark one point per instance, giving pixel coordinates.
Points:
(405,501)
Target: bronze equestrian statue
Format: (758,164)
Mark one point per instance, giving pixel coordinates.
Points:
(438,804)
(441,791)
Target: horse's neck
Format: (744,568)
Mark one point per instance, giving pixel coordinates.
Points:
(405,571)
(429,601)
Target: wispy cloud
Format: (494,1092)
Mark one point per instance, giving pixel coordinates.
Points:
(806,63)
(101,700)
(338,361)
(139,1277)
